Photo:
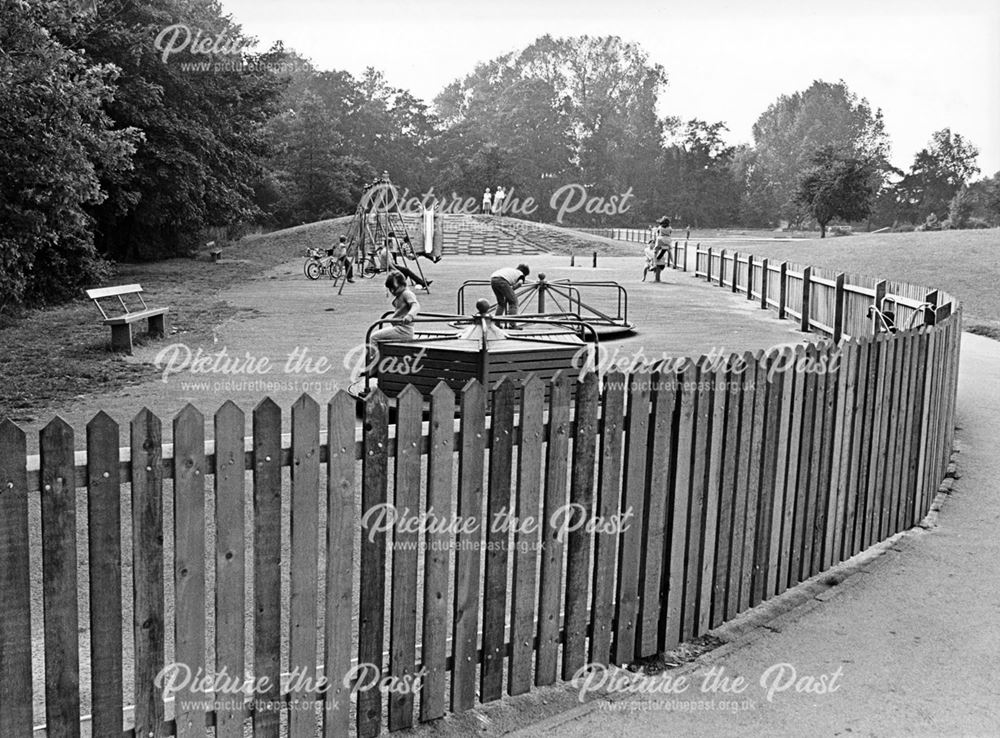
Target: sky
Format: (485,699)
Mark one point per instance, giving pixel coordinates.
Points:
(928,64)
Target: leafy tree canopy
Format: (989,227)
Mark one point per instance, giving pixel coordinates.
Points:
(836,186)
(786,135)
(56,143)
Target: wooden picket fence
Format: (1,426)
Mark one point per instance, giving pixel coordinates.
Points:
(667,501)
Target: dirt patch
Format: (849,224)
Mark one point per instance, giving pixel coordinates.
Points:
(54,356)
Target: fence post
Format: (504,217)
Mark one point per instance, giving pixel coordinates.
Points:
(722,267)
(708,265)
(749,276)
(686,253)
(764,279)
(881,288)
(736,268)
(838,308)
(806,293)
(930,312)
(782,289)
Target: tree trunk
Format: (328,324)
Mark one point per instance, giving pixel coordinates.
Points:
(822,230)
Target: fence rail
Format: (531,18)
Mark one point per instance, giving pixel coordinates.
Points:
(625,515)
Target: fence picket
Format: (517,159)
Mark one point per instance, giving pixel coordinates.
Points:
(59,583)
(846,383)
(497,542)
(550,584)
(15,615)
(304,564)
(714,474)
(189,564)
(798,380)
(371,602)
(105,557)
(526,550)
(799,537)
(680,508)
(633,500)
(440,463)
(895,421)
(771,427)
(147,571)
(609,492)
(468,559)
(720,593)
(696,505)
(824,516)
(785,375)
(340,526)
(663,402)
(748,365)
(403,588)
(859,453)
(230,562)
(753,481)
(813,520)
(267,565)
(581,496)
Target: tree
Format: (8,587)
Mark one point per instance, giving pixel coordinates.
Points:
(56,142)
(938,172)
(793,128)
(561,110)
(202,118)
(697,178)
(836,187)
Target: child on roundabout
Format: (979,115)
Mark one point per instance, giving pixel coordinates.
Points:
(406,309)
(503,282)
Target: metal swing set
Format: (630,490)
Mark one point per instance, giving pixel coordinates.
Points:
(378,240)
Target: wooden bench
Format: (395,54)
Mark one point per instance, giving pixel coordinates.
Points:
(121,323)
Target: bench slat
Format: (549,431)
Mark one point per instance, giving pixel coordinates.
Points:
(132,317)
(125,289)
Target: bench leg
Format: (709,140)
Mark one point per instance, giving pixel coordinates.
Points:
(121,338)
(158,325)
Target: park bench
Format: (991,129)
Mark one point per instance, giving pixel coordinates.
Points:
(121,323)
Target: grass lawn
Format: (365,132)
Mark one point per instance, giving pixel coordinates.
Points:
(58,354)
(963,263)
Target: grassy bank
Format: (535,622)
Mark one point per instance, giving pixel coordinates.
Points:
(964,263)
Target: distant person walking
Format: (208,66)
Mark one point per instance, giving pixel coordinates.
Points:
(487,202)
(504,282)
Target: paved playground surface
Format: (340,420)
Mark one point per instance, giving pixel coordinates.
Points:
(310,336)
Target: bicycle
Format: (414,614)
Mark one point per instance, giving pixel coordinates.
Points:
(317,264)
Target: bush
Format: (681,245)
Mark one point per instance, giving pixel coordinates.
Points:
(961,207)
(977,223)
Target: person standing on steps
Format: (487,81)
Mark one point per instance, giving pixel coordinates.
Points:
(498,198)
(487,202)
